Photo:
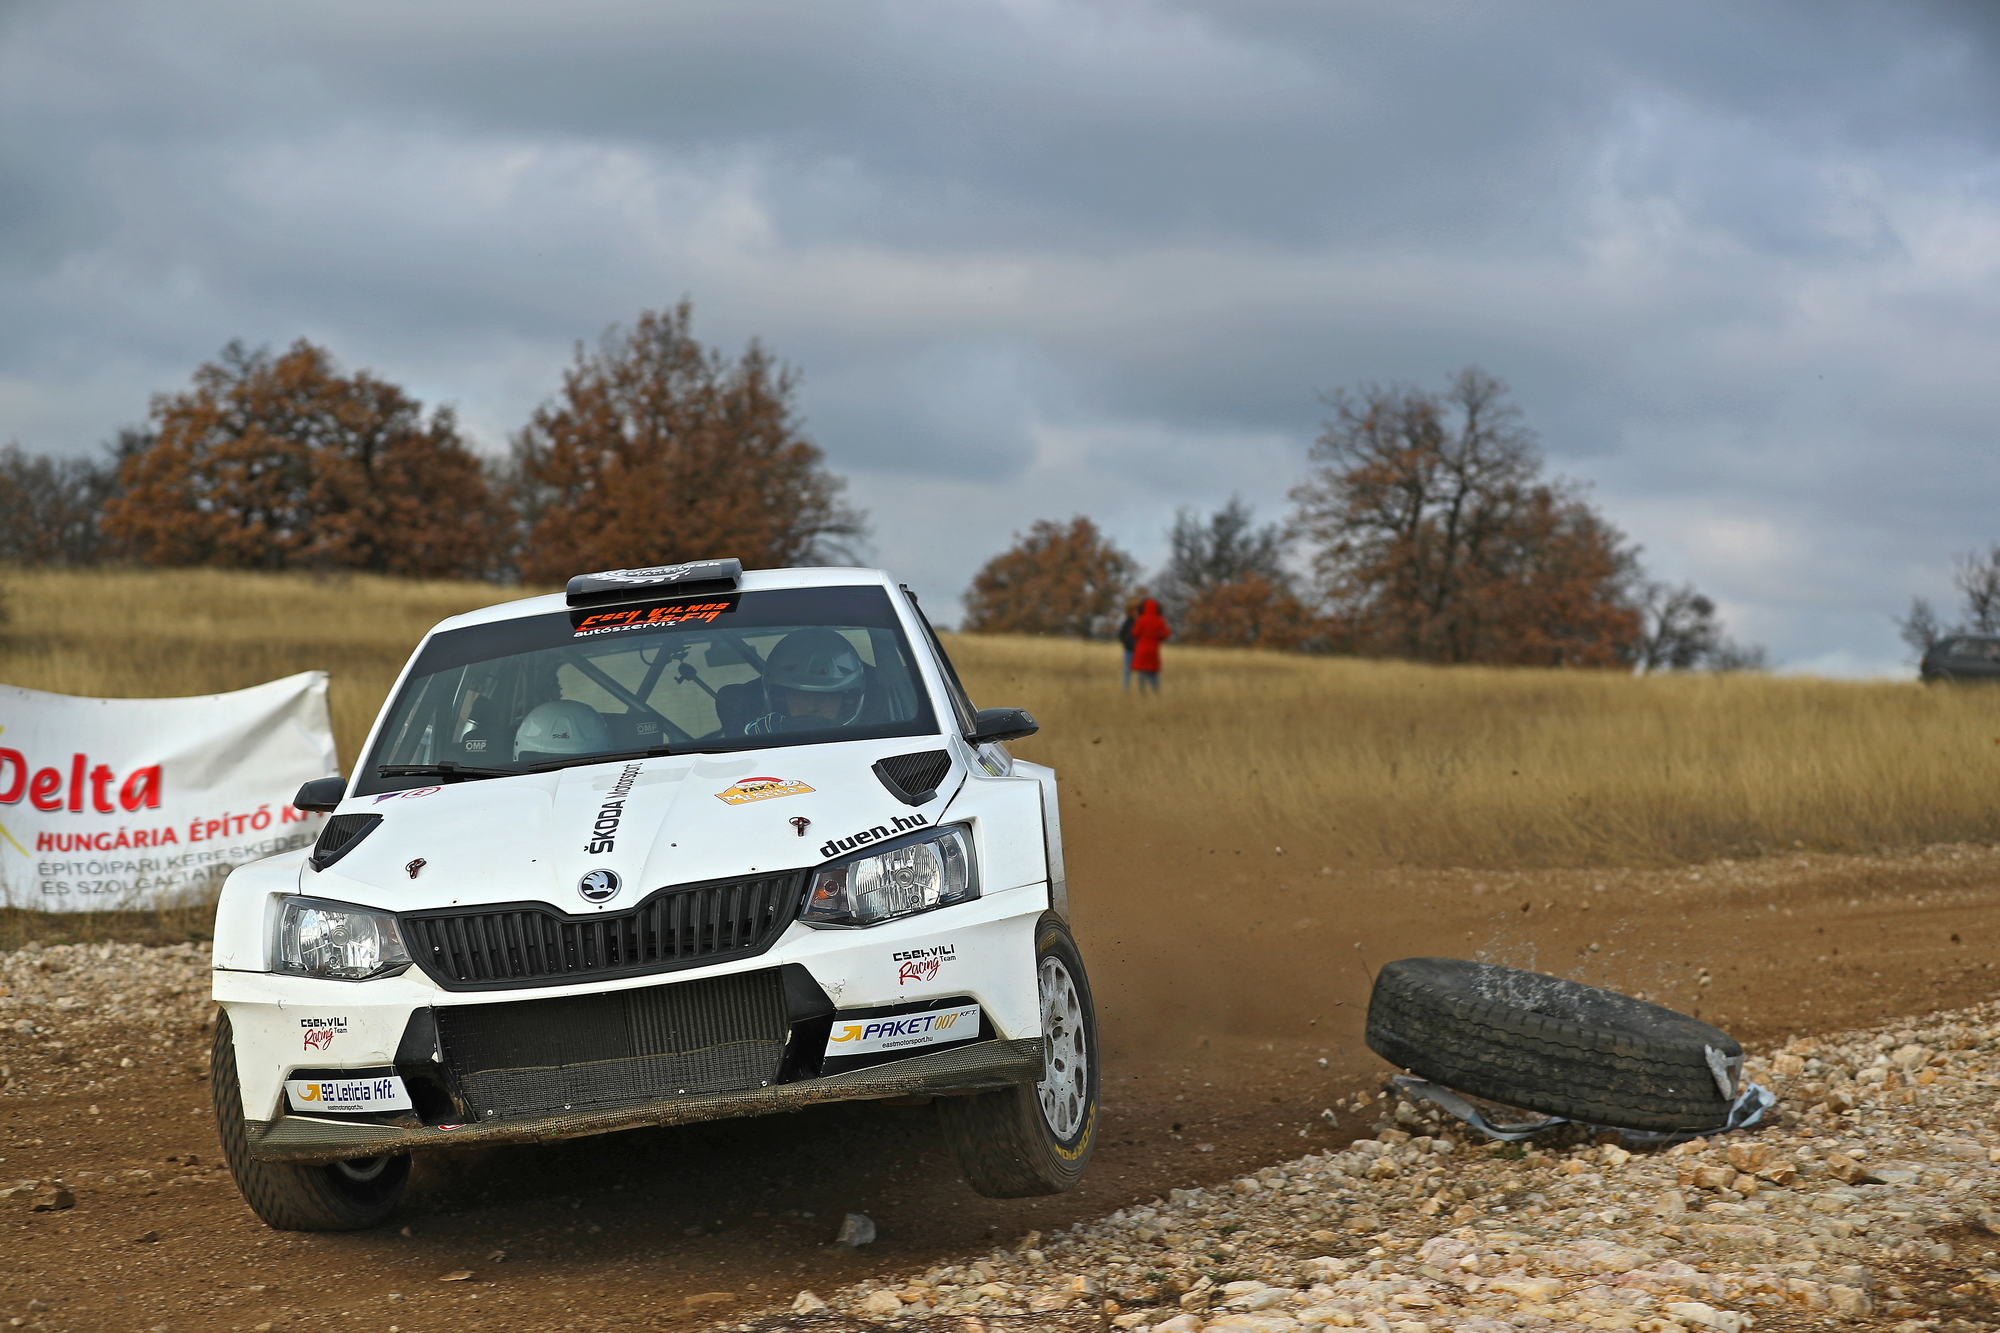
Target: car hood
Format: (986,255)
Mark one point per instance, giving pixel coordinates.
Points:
(675,819)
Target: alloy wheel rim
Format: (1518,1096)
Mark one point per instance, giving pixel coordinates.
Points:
(1064,1090)
(363,1170)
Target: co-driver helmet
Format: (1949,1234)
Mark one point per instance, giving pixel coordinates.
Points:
(559,728)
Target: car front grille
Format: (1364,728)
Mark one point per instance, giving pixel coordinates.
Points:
(540,1057)
(529,944)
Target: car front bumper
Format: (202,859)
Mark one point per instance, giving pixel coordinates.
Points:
(750,1037)
(978,1067)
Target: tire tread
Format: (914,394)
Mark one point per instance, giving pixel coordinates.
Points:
(1618,1061)
(1002,1143)
(285,1195)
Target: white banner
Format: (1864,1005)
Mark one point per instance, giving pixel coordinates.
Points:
(118,803)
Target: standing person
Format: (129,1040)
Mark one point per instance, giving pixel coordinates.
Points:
(1125,638)
(1149,631)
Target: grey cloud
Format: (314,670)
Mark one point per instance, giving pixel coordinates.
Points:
(1037,258)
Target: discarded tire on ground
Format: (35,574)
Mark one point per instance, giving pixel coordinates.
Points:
(1550,1045)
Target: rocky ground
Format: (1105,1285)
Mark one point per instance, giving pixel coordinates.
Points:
(1225,1037)
(1869,1199)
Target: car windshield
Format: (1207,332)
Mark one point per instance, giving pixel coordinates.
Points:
(735,671)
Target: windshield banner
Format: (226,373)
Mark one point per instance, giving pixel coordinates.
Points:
(119,803)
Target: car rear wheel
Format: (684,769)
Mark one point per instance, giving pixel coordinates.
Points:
(343,1196)
(1035,1138)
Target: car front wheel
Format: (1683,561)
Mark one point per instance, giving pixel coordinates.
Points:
(1035,1138)
(342,1196)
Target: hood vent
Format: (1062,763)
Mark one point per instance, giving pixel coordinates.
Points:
(339,836)
(913,779)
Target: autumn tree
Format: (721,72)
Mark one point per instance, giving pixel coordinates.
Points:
(1061,578)
(283,462)
(1436,538)
(1976,578)
(658,449)
(1249,611)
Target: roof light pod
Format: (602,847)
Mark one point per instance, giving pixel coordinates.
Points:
(629,585)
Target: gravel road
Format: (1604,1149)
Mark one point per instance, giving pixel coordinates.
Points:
(1226,1035)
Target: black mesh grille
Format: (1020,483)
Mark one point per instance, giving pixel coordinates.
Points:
(536,1057)
(912,778)
(527,944)
(339,836)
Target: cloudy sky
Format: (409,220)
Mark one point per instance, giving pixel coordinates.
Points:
(1741,264)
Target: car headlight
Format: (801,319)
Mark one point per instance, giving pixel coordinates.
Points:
(914,875)
(322,939)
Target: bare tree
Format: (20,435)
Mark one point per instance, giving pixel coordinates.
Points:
(49,507)
(1729,655)
(1921,628)
(1227,547)
(1977,579)
(1678,629)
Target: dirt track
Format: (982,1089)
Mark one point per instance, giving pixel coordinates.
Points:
(1224,975)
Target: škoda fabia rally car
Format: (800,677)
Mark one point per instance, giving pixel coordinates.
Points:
(683,843)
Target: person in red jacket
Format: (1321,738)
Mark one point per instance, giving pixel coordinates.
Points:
(1149,631)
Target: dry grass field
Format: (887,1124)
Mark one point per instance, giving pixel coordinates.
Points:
(1372,763)
(1393,764)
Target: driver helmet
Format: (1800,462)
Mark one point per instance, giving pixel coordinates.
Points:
(816,662)
(561,727)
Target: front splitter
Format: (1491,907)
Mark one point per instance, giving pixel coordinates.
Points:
(979,1067)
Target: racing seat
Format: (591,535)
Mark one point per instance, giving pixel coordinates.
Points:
(482,743)
(632,731)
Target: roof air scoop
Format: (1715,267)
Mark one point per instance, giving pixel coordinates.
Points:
(693,578)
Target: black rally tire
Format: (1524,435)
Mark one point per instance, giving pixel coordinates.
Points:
(289,1196)
(1551,1045)
(1004,1142)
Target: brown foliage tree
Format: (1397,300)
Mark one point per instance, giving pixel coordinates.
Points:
(1438,541)
(657,449)
(1253,611)
(1059,579)
(285,463)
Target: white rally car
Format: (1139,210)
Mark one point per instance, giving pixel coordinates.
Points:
(682,843)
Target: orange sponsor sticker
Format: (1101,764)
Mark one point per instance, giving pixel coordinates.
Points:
(746,790)
(642,617)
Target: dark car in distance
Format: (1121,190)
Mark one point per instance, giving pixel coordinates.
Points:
(1962,657)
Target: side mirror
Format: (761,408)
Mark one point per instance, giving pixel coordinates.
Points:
(1002,724)
(321,794)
